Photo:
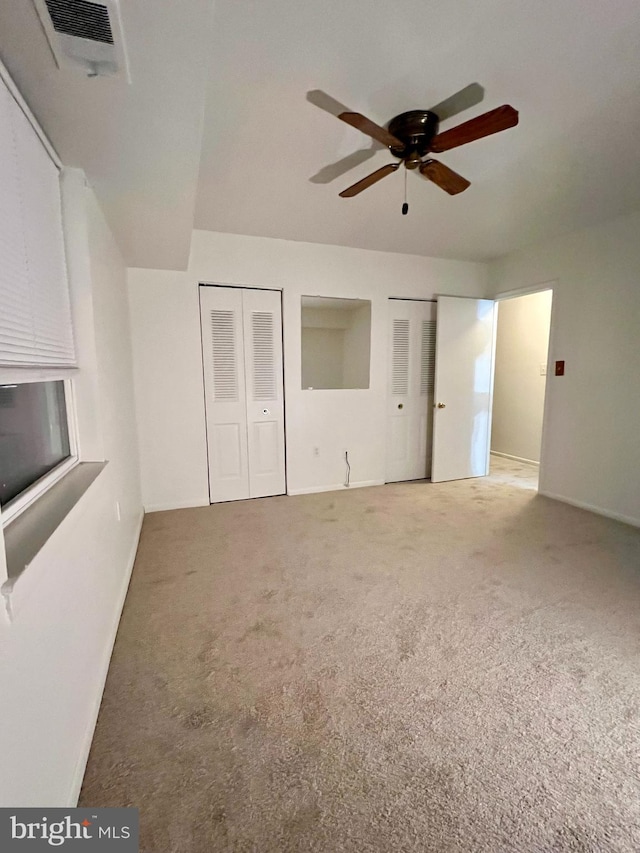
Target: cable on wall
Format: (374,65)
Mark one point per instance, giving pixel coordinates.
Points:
(348,477)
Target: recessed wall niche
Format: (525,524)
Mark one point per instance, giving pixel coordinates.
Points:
(336,343)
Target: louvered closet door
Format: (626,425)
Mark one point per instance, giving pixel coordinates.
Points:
(410,389)
(225,397)
(265,401)
(242,353)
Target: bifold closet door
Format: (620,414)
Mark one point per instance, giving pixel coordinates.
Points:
(412,327)
(225,397)
(242,358)
(264,392)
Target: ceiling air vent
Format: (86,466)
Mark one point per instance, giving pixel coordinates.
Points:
(80,18)
(85,36)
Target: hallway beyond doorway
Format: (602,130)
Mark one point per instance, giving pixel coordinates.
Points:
(521,367)
(512,472)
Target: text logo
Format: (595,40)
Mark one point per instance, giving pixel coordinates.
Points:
(69,829)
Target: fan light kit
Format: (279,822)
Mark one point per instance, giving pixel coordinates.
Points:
(413,135)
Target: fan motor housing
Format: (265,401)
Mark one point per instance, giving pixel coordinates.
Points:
(416,130)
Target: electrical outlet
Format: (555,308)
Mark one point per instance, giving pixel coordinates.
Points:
(316,451)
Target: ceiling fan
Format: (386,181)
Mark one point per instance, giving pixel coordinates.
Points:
(412,135)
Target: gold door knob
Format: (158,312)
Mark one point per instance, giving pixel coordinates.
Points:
(442,405)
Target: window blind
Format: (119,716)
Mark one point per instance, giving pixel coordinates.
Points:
(35,313)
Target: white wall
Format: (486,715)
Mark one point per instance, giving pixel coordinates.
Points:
(168,361)
(357,348)
(322,357)
(518,394)
(591,451)
(169,389)
(56,651)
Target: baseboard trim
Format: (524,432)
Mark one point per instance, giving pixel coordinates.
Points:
(616,516)
(81,766)
(337,487)
(163,507)
(515,458)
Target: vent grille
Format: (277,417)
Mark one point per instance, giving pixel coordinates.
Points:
(81,19)
(225,368)
(400,358)
(264,376)
(428,357)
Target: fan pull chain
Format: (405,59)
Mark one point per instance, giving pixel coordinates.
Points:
(405,206)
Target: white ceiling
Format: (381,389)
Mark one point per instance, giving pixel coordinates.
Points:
(139,144)
(571,69)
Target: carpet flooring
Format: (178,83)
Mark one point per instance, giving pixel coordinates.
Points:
(411,667)
(509,472)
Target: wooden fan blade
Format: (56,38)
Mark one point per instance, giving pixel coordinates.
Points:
(365,125)
(492,122)
(448,180)
(371,179)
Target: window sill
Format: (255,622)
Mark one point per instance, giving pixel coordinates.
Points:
(25,536)
(30,496)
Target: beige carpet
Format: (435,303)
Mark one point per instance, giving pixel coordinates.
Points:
(512,473)
(413,667)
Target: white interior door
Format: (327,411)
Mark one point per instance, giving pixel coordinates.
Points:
(242,358)
(465,344)
(225,397)
(264,392)
(410,389)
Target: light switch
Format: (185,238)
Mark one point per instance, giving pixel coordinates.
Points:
(543,370)
(559,368)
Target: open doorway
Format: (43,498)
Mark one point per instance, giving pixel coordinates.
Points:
(522,347)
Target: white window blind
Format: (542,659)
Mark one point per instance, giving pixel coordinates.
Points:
(35,314)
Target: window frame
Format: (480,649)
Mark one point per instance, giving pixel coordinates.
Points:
(38,488)
(10,375)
